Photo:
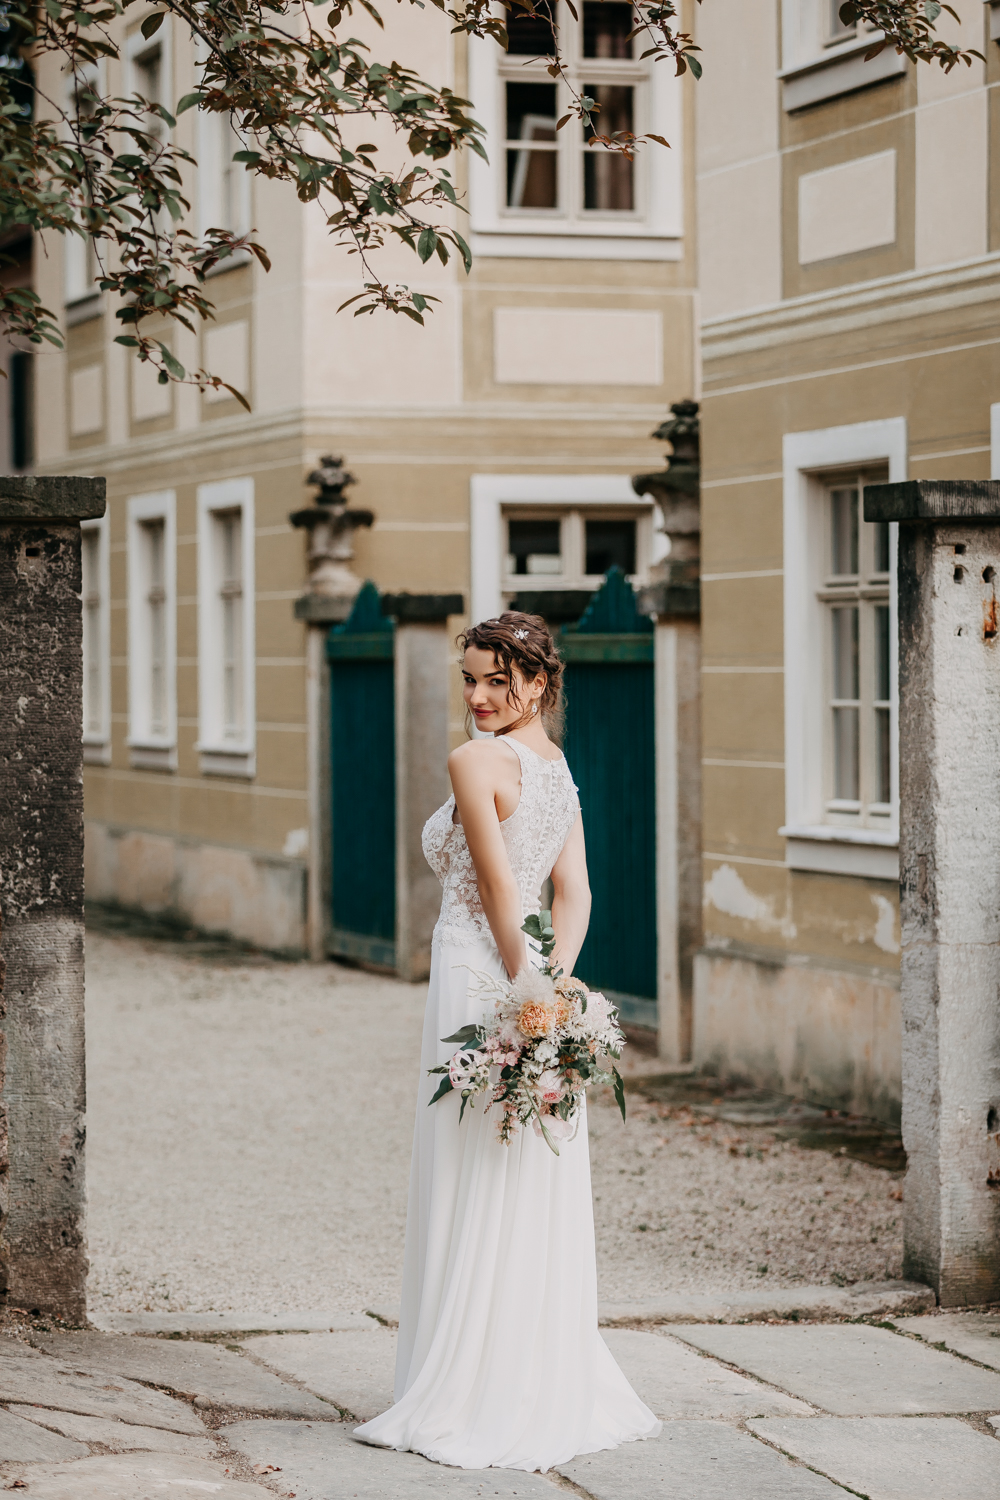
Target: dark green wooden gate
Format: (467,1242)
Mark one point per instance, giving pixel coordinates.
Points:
(611,748)
(363,784)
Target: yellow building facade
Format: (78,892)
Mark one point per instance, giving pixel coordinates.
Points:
(849,275)
(528,398)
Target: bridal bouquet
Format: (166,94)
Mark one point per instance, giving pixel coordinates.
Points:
(549,1038)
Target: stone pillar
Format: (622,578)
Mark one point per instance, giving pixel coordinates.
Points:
(43,1259)
(678,809)
(423,655)
(949,859)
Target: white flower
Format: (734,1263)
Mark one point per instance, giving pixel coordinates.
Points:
(465,1070)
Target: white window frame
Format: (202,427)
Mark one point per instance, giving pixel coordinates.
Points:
(97,742)
(213,132)
(222,756)
(81,294)
(151,751)
(490,494)
(136,47)
(811,460)
(816,67)
(653,232)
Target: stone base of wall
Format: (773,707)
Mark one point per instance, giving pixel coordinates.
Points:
(825,1034)
(256,898)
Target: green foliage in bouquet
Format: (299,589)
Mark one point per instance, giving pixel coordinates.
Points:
(547,1042)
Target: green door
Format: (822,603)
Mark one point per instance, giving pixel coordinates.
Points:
(363,784)
(611,748)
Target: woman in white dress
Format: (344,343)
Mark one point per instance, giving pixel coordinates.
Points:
(500,1362)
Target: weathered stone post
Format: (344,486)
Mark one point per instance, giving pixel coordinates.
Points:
(674,600)
(422,659)
(43,1259)
(949,862)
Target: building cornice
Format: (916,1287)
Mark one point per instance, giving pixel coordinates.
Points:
(311,425)
(912,294)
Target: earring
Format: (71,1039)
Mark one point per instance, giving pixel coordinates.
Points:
(534,709)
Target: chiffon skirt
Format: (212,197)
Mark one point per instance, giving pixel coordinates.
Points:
(500,1362)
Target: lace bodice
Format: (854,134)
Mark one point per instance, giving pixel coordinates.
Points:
(534,835)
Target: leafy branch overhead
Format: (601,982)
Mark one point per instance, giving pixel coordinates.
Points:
(301,92)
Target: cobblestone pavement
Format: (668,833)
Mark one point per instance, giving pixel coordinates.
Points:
(249,1136)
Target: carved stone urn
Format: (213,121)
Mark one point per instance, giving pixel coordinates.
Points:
(331,525)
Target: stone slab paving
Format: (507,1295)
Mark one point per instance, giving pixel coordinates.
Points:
(215,1376)
(353,1370)
(120,1437)
(863,1300)
(134,1476)
(24,1442)
(675,1381)
(851,1369)
(323,1462)
(974,1334)
(95,1393)
(229,1322)
(894,1458)
(698,1461)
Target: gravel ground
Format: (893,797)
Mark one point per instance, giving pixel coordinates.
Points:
(249,1139)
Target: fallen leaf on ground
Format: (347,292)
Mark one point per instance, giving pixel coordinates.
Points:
(267,1468)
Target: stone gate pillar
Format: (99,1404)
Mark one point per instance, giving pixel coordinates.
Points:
(424,655)
(43,1259)
(949,861)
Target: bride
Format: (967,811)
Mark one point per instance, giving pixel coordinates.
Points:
(499,1361)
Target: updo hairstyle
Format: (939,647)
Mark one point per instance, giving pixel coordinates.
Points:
(525,642)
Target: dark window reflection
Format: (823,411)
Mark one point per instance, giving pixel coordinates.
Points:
(610,544)
(534,546)
(608,176)
(531,117)
(531,36)
(606,26)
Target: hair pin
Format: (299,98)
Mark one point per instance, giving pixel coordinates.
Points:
(522,635)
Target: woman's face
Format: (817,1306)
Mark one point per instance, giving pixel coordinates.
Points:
(485,689)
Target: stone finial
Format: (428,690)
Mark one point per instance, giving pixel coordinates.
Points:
(676,488)
(331,525)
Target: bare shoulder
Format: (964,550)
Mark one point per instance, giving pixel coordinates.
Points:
(478,761)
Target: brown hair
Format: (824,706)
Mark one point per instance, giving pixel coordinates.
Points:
(525,642)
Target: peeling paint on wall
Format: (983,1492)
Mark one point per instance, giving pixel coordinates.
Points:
(727,892)
(886,927)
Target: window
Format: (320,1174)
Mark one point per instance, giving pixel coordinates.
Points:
(223,185)
(152,632)
(547,182)
(80,268)
(855,593)
(822,58)
(21,375)
(573,549)
(226,649)
(839,667)
(96,642)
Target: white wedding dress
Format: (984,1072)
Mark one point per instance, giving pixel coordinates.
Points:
(500,1361)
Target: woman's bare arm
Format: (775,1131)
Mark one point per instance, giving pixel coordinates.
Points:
(571,899)
(475,771)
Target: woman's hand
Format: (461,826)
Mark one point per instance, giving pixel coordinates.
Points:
(479,771)
(571,899)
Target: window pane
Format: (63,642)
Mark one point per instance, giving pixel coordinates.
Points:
(607,182)
(883,764)
(531,116)
(606,26)
(615,111)
(610,544)
(531,36)
(883,690)
(531,111)
(844,530)
(845,754)
(881,546)
(845,653)
(531,179)
(534,546)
